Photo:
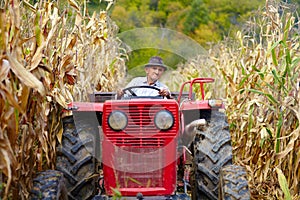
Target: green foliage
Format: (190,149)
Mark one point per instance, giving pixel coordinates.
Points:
(205,32)
(138,59)
(295,4)
(197,15)
(176,13)
(185,15)
(227,14)
(203,20)
(97,5)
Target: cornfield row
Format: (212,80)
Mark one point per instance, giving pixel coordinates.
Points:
(50,57)
(260,70)
(262,74)
(43,52)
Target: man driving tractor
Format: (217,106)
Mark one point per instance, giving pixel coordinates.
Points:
(154,70)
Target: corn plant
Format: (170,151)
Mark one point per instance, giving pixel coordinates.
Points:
(49,55)
(261,70)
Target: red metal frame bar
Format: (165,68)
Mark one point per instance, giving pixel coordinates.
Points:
(191,82)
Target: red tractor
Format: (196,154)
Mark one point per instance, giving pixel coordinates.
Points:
(145,148)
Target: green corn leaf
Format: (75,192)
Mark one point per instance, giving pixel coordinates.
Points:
(269,96)
(243,70)
(243,80)
(275,45)
(295,61)
(279,126)
(286,30)
(288,57)
(274,53)
(269,132)
(283,184)
(260,73)
(256,91)
(277,80)
(255,68)
(274,57)
(269,85)
(116,192)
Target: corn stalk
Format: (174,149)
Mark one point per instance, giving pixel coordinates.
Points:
(261,70)
(48,57)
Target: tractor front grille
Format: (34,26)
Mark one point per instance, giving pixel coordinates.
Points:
(140,158)
(141,130)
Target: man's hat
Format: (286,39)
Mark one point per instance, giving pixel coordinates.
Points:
(156,61)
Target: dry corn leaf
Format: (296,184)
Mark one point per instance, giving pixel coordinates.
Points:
(4,69)
(72,42)
(37,57)
(25,76)
(16,13)
(290,147)
(6,94)
(74,5)
(59,135)
(28,5)
(78,21)
(55,19)
(60,99)
(7,170)
(91,21)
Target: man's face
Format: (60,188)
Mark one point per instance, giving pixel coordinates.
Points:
(154,73)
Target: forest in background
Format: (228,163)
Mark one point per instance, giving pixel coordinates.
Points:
(205,21)
(44,66)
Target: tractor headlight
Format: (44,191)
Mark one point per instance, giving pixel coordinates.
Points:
(164,120)
(117,120)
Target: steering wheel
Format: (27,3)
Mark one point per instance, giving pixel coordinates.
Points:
(129,89)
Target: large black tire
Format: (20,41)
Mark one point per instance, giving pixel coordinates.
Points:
(233,183)
(49,185)
(76,156)
(212,150)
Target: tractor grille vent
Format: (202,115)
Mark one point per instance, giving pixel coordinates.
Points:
(141,130)
(140,167)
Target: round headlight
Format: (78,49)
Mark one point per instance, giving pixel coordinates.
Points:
(164,120)
(117,120)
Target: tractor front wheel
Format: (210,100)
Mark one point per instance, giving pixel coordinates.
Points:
(49,185)
(212,150)
(76,156)
(233,183)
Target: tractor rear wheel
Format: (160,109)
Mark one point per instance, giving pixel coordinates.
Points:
(49,185)
(233,183)
(212,150)
(76,156)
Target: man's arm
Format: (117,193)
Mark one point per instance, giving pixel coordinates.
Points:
(134,82)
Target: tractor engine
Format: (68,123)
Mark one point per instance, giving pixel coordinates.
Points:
(139,144)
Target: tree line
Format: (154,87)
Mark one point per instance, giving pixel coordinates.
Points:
(205,21)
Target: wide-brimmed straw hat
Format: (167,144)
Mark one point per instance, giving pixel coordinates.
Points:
(156,61)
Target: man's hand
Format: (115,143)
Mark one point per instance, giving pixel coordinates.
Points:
(120,93)
(164,93)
